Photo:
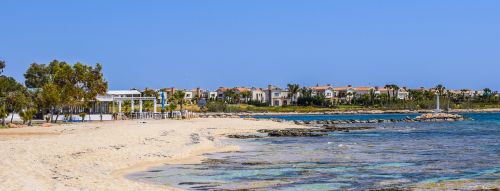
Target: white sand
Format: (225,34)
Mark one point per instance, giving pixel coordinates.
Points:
(96,156)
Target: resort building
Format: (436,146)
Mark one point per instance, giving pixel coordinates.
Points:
(379,91)
(403,94)
(209,95)
(327,91)
(277,96)
(363,90)
(345,94)
(259,95)
(169,92)
(220,92)
(188,95)
(242,92)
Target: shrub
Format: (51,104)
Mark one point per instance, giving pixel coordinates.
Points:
(257,103)
(216,106)
(82,115)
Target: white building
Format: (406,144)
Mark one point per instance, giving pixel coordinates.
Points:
(258,95)
(209,95)
(277,96)
(117,97)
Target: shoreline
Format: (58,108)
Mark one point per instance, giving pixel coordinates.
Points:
(99,155)
(346,112)
(194,158)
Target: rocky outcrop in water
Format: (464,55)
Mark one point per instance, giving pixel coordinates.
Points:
(244,136)
(431,117)
(294,132)
(423,118)
(309,132)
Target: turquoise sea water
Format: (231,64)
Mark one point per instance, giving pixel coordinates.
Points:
(392,155)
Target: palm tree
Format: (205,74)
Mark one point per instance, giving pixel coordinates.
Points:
(372,96)
(2,66)
(245,95)
(293,90)
(395,89)
(462,91)
(440,89)
(179,97)
(231,96)
(388,87)
(487,94)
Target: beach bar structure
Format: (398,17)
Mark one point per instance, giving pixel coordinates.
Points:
(117,99)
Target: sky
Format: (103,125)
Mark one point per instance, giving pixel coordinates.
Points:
(209,44)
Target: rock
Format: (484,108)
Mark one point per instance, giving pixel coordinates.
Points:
(250,163)
(299,132)
(244,136)
(214,161)
(439,117)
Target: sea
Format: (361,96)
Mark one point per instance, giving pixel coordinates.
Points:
(393,155)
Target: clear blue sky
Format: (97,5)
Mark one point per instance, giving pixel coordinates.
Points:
(256,42)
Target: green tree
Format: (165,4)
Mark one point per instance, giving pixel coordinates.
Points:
(372,96)
(293,90)
(64,88)
(150,93)
(246,95)
(16,101)
(37,76)
(487,94)
(50,98)
(395,89)
(440,89)
(27,116)
(90,82)
(12,95)
(179,98)
(3,114)
(2,66)
(171,107)
(231,96)
(388,87)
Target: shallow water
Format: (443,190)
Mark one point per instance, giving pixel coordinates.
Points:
(392,155)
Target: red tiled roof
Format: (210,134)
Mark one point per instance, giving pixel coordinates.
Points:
(320,87)
(222,89)
(363,88)
(341,88)
(242,89)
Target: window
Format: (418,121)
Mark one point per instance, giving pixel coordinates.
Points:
(276,94)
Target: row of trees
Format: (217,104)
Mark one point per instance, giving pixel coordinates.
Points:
(425,99)
(57,88)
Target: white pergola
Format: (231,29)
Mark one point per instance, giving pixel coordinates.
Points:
(120,100)
(119,96)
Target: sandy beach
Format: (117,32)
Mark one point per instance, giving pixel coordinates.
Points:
(96,156)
